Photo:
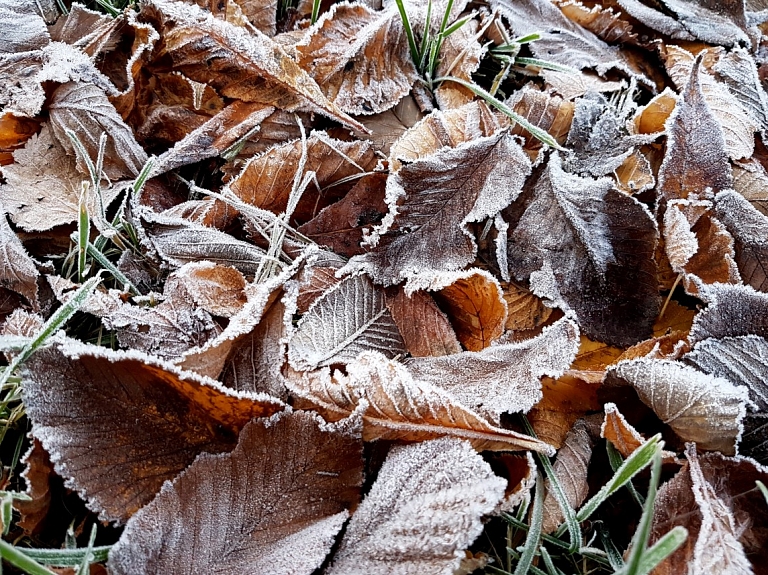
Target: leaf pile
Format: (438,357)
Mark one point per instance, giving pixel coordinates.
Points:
(346,258)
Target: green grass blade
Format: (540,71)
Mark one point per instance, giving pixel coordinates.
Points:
(426,38)
(662,549)
(83,231)
(763,489)
(15,557)
(455,26)
(615,460)
(639,460)
(68,557)
(534,530)
(527,39)
(408,32)
(315,11)
(545,64)
(642,533)
(612,553)
(84,568)
(446,16)
(548,563)
(58,319)
(535,131)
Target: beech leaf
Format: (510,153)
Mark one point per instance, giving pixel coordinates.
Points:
(232,511)
(18,271)
(425,328)
(421,513)
(118,424)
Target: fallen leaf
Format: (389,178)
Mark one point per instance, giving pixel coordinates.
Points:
(22,28)
(505,377)
(652,118)
(732,310)
(18,271)
(395,406)
(432,200)
(37,475)
(476,307)
(421,513)
(635,175)
(525,310)
(238,63)
(343,53)
(250,524)
(570,468)
(751,180)
(100,414)
(425,329)
(219,290)
(698,407)
(387,127)
(552,114)
(603,22)
(571,86)
(582,259)
(460,56)
(349,318)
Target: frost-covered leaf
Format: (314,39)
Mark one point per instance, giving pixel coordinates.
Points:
(359,57)
(425,328)
(476,307)
(18,271)
(749,229)
(636,174)
(398,407)
(750,179)
(84,109)
(273,506)
(42,187)
(594,255)
(696,157)
(431,202)
(37,474)
(238,63)
(460,56)
(267,179)
(738,71)
(570,468)
(619,432)
(697,244)
(505,377)
(421,513)
(732,310)
(388,126)
(551,113)
(219,290)
(349,318)
(118,424)
(571,86)
(697,406)
(178,242)
(563,41)
(525,310)
(601,21)
(742,360)
(22,29)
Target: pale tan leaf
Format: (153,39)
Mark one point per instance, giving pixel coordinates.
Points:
(261,13)
(698,407)
(571,86)
(272,506)
(551,113)
(18,271)
(603,22)
(360,58)
(525,310)
(395,406)
(432,200)
(570,468)
(502,378)
(635,175)
(751,180)
(84,109)
(349,318)
(219,290)
(387,127)
(239,63)
(425,328)
(475,305)
(266,180)
(100,414)
(421,513)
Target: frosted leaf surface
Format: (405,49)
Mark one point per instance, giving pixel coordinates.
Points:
(118,424)
(594,256)
(749,229)
(549,112)
(178,242)
(219,290)
(425,328)
(22,29)
(737,69)
(751,180)
(732,310)
(656,20)
(697,406)
(395,406)
(460,56)
(360,57)
(349,318)
(570,468)
(272,506)
(742,360)
(236,62)
(421,513)
(502,378)
(18,271)
(85,109)
(433,199)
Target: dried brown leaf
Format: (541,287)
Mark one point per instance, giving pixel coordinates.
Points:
(219,290)
(502,378)
(552,114)
(751,180)
(349,318)
(603,22)
(698,407)
(594,255)
(18,271)
(732,310)
(118,424)
(233,510)
(421,513)
(525,310)
(360,57)
(395,406)
(425,328)
(460,56)
(432,200)
(37,475)
(475,305)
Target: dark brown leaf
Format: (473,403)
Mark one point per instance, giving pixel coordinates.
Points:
(425,328)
